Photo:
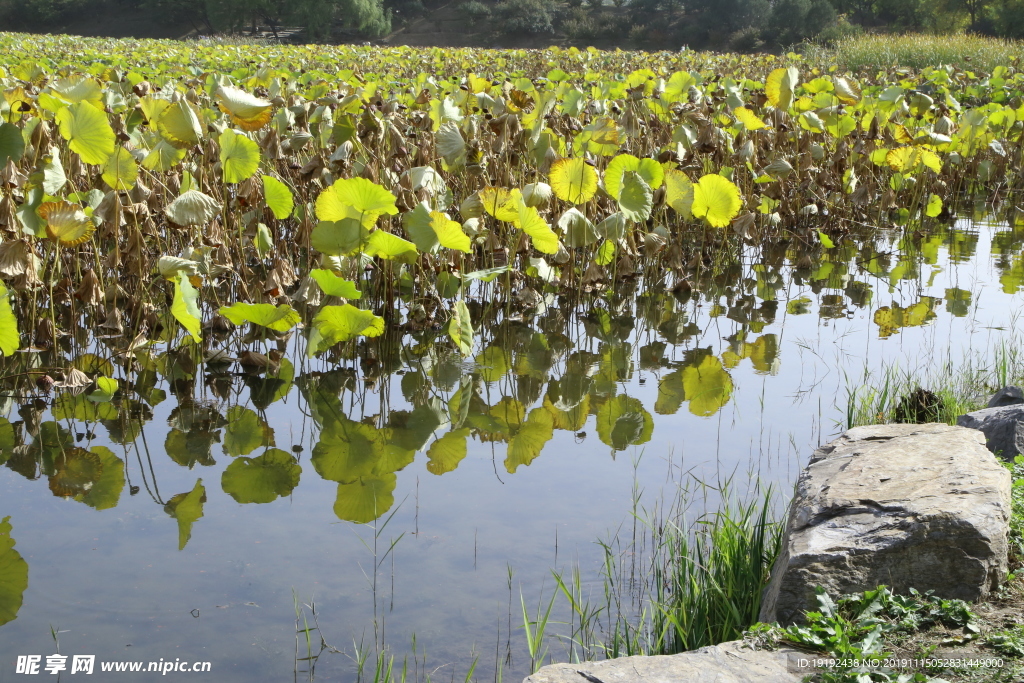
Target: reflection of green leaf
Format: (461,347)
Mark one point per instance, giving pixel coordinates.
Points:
(262,479)
(186,508)
(245,432)
(347,450)
(446,453)
(493,362)
(106,490)
(670,394)
(8,439)
(707,386)
(528,442)
(798,306)
(69,406)
(13,574)
(367,499)
(191,448)
(622,421)
(958,301)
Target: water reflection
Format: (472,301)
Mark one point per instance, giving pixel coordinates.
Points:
(551,362)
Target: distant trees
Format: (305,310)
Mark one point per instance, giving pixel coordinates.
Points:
(317,16)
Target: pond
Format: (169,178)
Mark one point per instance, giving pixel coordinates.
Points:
(413,495)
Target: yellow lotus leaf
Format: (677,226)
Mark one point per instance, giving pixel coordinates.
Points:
(66,223)
(573,180)
(246,111)
(716,200)
(749,119)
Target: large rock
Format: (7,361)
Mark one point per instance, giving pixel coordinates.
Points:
(1002,426)
(731,662)
(1007,396)
(909,506)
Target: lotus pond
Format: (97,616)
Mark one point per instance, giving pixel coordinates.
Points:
(394,332)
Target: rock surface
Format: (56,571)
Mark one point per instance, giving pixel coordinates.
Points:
(1007,396)
(1003,428)
(908,506)
(729,662)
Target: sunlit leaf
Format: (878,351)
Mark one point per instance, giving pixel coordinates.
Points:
(748,118)
(66,223)
(239,156)
(649,170)
(87,131)
(105,389)
(449,233)
(780,85)
(357,198)
(280,318)
(246,111)
(278,197)
(716,200)
(179,126)
(185,307)
(121,171)
(387,246)
(679,192)
(10,338)
(934,207)
(337,238)
(573,180)
(334,324)
(635,198)
(334,285)
(460,328)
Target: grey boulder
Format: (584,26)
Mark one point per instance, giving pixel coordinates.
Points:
(908,506)
(1003,428)
(1007,396)
(731,662)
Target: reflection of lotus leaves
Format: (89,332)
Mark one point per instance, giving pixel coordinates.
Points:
(262,479)
(493,362)
(186,508)
(528,442)
(13,574)
(622,421)
(106,490)
(571,389)
(509,413)
(764,354)
(446,453)
(245,432)
(707,386)
(890,320)
(8,439)
(347,450)
(571,420)
(670,390)
(958,302)
(191,448)
(366,499)
(75,472)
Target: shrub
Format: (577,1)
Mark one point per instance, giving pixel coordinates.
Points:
(746,40)
(532,17)
(475,11)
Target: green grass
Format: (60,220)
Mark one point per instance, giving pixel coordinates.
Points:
(916,51)
(961,385)
(679,583)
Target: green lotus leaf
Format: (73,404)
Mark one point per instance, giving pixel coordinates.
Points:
(87,131)
(105,389)
(337,238)
(334,285)
(387,246)
(357,198)
(635,198)
(278,197)
(262,479)
(573,180)
(179,125)
(186,508)
(239,156)
(120,171)
(12,144)
(280,318)
(577,228)
(185,306)
(648,169)
(460,328)
(10,339)
(334,324)
(13,574)
(163,156)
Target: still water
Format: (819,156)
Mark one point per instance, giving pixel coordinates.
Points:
(411,493)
